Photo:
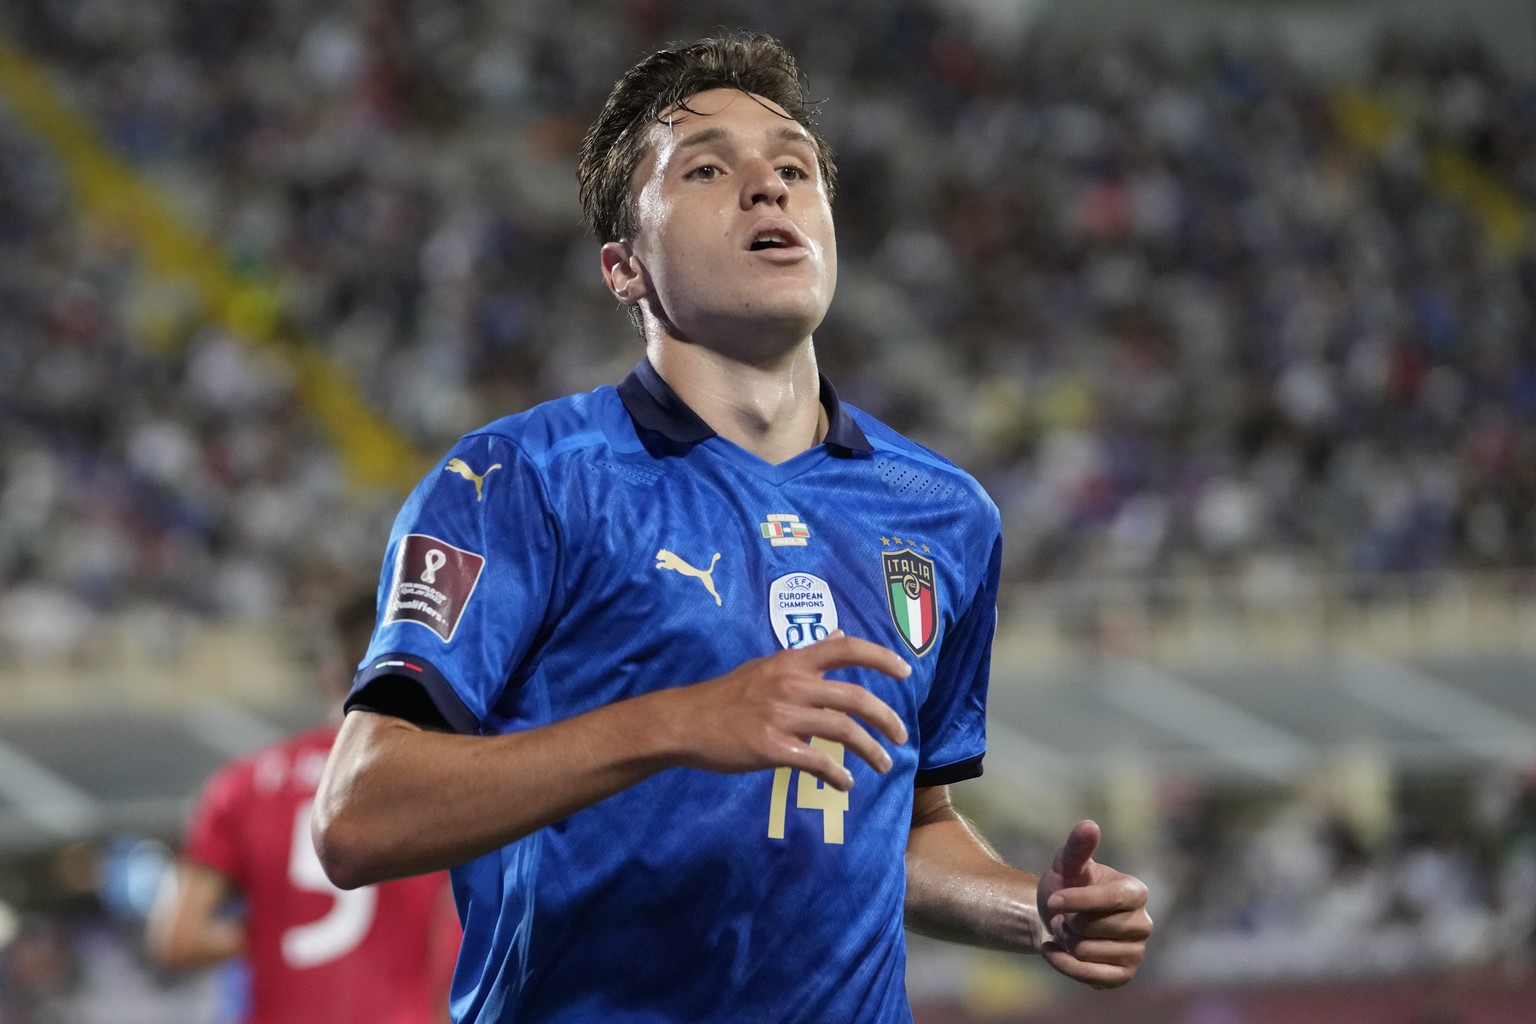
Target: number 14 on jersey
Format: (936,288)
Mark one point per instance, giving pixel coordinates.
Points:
(810,795)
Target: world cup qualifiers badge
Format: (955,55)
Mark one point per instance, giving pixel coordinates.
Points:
(432,584)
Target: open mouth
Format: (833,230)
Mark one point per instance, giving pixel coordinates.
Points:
(771,240)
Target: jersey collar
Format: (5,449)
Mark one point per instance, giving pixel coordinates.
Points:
(654,406)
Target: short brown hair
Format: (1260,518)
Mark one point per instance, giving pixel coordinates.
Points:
(662,83)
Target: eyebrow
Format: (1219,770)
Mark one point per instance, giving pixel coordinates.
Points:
(706,136)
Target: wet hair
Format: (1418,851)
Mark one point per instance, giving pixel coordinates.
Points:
(662,83)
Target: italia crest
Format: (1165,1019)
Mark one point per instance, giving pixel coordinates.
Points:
(914,601)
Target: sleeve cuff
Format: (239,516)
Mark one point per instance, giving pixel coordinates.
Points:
(420,678)
(946,774)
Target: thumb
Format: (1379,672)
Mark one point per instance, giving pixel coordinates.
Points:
(1073,857)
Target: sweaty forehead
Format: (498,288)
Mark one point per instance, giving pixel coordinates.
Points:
(724,108)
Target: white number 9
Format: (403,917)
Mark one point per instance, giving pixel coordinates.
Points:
(343,927)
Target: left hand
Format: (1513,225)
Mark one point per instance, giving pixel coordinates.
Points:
(1095,917)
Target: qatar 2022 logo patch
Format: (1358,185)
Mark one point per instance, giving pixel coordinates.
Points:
(433,584)
(912,592)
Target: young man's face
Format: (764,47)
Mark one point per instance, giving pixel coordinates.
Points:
(735,235)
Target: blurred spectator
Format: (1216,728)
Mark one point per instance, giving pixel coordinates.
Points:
(1165,308)
(379,953)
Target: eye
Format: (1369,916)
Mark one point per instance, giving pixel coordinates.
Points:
(790,172)
(704,172)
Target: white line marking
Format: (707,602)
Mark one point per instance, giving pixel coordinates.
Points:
(1436,707)
(229,729)
(43,797)
(1227,731)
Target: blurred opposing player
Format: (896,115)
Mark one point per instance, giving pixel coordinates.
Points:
(381,954)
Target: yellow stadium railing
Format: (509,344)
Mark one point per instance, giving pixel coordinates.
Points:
(110,190)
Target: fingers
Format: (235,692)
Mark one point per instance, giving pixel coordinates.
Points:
(841,651)
(1096,916)
(852,699)
(827,711)
(779,702)
(1100,950)
(811,761)
(1119,927)
(1099,975)
(822,707)
(1110,952)
(1073,857)
(1119,894)
(838,727)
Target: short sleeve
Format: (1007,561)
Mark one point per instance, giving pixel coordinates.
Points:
(953,718)
(467,580)
(213,832)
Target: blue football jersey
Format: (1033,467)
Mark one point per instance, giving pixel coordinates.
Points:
(609,544)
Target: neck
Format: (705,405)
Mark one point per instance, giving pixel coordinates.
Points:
(771,409)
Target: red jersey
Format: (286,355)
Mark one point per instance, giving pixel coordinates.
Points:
(380,954)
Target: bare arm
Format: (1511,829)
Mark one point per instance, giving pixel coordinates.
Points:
(959,889)
(398,800)
(186,928)
(1086,919)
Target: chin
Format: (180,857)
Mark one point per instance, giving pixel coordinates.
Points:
(792,310)
(793,326)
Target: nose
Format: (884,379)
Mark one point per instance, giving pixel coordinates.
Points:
(760,183)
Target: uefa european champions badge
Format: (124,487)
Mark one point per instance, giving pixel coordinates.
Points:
(909,587)
(802,609)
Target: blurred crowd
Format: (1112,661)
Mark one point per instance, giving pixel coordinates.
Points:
(1301,887)
(1169,311)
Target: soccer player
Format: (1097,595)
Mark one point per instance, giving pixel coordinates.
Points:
(379,954)
(676,674)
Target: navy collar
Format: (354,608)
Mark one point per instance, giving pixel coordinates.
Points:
(654,406)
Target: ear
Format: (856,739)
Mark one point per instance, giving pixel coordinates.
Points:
(623,273)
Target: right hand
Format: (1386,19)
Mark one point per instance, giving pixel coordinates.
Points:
(763,713)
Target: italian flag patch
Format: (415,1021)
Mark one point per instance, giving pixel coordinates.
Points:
(913,599)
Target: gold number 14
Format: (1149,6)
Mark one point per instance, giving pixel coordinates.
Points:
(812,795)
